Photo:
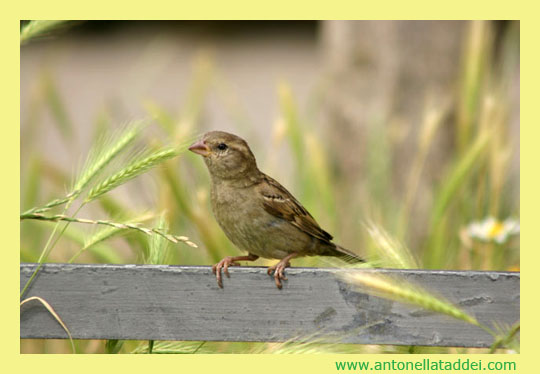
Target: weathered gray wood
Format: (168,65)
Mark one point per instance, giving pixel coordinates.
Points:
(185,303)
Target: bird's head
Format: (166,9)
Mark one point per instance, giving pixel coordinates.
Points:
(227,156)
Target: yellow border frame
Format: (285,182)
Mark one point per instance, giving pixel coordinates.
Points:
(234,9)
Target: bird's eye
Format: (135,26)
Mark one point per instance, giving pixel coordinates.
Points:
(222,146)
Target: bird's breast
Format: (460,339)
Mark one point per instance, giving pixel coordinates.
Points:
(236,211)
(245,222)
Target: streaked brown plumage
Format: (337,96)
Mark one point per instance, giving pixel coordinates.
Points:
(256,212)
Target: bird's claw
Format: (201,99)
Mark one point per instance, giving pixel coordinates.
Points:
(223,264)
(278,270)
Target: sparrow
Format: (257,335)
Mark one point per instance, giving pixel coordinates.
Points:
(258,214)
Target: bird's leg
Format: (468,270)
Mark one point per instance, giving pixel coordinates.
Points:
(230,261)
(278,269)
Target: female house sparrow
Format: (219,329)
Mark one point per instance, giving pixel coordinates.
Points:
(256,212)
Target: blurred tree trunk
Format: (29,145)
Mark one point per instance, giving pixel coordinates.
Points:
(380,75)
(381,72)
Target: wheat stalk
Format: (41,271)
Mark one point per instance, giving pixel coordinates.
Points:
(395,254)
(102,154)
(132,226)
(50,205)
(504,338)
(131,171)
(381,286)
(99,157)
(106,233)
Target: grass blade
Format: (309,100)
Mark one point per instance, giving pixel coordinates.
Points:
(54,101)
(37,28)
(456,179)
(54,314)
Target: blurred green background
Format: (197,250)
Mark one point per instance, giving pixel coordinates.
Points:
(405,128)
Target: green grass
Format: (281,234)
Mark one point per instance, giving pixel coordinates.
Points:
(395,221)
(35,29)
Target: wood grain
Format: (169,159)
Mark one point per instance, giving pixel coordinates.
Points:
(184,303)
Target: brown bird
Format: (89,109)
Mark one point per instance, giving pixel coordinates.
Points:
(256,212)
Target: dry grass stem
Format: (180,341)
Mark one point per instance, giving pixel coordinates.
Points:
(399,290)
(54,314)
(132,226)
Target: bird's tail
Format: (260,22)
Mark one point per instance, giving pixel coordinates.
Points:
(344,254)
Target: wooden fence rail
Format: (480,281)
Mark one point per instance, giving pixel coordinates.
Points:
(184,303)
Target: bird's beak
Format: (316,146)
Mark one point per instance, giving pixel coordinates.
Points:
(200,147)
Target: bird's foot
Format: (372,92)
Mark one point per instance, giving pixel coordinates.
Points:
(279,268)
(278,272)
(229,261)
(223,264)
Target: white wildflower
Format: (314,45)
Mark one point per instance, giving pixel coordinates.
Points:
(491,229)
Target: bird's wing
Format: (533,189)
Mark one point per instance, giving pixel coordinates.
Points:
(280,203)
